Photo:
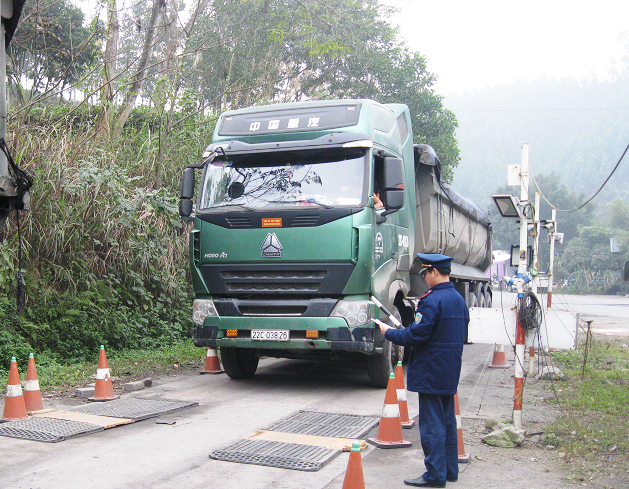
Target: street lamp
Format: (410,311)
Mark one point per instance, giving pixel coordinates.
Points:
(508,205)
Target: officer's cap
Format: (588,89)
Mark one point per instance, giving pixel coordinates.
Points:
(434,260)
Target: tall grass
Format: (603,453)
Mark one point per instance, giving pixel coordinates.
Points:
(105,254)
(593,430)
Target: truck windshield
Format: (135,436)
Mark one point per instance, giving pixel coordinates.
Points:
(288,179)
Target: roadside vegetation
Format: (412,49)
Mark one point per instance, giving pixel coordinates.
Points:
(106,112)
(103,251)
(594,398)
(60,379)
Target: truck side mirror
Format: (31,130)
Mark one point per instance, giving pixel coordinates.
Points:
(187,184)
(185,208)
(187,192)
(393,185)
(626,272)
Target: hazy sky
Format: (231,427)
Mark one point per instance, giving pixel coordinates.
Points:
(473,44)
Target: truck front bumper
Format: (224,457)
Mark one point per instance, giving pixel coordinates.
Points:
(334,334)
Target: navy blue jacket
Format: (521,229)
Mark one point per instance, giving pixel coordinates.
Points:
(437,338)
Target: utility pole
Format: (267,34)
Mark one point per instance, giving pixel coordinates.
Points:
(537,283)
(552,234)
(11,197)
(7,10)
(536,232)
(522,278)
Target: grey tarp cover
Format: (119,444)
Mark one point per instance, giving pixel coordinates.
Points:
(425,155)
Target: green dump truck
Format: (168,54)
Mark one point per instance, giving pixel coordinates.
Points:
(304,211)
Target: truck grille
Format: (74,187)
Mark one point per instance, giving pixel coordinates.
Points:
(288,281)
(238,222)
(240,287)
(273,274)
(272,310)
(273,280)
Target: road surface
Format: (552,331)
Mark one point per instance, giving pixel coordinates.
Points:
(151,455)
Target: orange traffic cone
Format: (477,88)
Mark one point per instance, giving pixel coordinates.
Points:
(499,359)
(390,429)
(104,390)
(464,458)
(401,397)
(14,406)
(354,478)
(212,364)
(32,394)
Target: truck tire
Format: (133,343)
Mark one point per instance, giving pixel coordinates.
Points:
(379,367)
(239,363)
(488,297)
(473,300)
(481,295)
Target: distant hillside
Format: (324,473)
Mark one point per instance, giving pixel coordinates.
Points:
(576,129)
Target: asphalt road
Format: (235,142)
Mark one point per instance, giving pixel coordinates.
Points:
(609,314)
(148,454)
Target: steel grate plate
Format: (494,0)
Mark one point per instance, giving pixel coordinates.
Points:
(136,408)
(276,454)
(326,424)
(47,429)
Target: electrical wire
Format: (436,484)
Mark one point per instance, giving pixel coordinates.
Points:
(23,182)
(591,198)
(530,312)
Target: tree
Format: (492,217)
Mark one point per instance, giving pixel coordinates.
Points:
(109,72)
(52,47)
(141,70)
(355,52)
(236,54)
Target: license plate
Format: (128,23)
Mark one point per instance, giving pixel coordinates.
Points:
(270,334)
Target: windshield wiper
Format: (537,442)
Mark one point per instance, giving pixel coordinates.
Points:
(306,201)
(234,205)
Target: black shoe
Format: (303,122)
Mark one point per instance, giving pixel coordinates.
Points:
(452,479)
(420,482)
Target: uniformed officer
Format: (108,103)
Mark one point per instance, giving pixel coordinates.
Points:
(436,337)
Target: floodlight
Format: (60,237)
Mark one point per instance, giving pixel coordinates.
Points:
(508,205)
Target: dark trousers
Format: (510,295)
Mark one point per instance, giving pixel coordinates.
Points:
(437,428)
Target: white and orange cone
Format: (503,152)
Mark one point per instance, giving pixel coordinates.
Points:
(390,429)
(354,477)
(401,397)
(464,458)
(32,393)
(499,359)
(104,390)
(14,406)
(212,363)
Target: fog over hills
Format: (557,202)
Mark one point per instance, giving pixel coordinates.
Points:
(576,129)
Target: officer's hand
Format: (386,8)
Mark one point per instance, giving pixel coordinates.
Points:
(383,326)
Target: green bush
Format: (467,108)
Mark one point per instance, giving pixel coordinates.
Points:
(105,253)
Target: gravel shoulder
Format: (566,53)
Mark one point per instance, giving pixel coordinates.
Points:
(486,392)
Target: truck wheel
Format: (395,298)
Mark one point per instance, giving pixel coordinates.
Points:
(480,295)
(379,367)
(488,298)
(239,363)
(473,300)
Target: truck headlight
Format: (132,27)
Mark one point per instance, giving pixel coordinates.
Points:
(356,313)
(202,308)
